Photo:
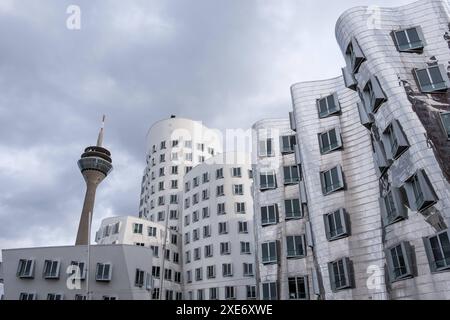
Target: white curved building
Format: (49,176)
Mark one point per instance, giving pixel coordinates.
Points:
(399,65)
(174,146)
(166,262)
(218,237)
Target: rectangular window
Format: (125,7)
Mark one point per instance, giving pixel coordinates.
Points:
(205,194)
(287,144)
(240,207)
(330,141)
(373,95)
(395,139)
(195,216)
(173,214)
(409,40)
(205,212)
(137,228)
(103,272)
(161,216)
(298,288)
(200,294)
(139,278)
(432,79)
(219,173)
(206,231)
(211,272)
(445,118)
(54,296)
(225,248)
(196,234)
(332,180)
(227,270)
(221,209)
(188,256)
(187,220)
(155,250)
(174,170)
(242,227)
(251,292)
(354,56)
(419,191)
(292,209)
(337,225)
(392,207)
(238,189)
(209,251)
(267,180)
(78,268)
(205,177)
(230,293)
(155,294)
(269,215)
(328,106)
(270,291)
(269,252)
(213,294)
(223,227)
(245,248)
(27,296)
(51,269)
(198,274)
(174,143)
(296,247)
(438,251)
(220,191)
(291,175)
(340,274)
(237,172)
(248,270)
(400,262)
(266,148)
(25,269)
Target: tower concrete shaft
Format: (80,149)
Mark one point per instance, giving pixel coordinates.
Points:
(95,165)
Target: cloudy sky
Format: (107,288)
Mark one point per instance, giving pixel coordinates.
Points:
(219,61)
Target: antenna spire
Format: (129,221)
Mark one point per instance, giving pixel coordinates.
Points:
(100,134)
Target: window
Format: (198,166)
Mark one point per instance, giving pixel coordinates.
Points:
(200,294)
(240,207)
(221,209)
(270,291)
(225,248)
(198,274)
(298,288)
(328,106)
(230,293)
(177,277)
(396,140)
(139,244)
(251,292)
(332,180)
(296,247)
(51,269)
(196,182)
(373,95)
(155,250)
(161,201)
(330,141)
(174,184)
(238,189)
(139,278)
(197,254)
(269,215)
(432,79)
(287,144)
(269,252)
(236,172)
(188,256)
(219,173)
(162,145)
(187,220)
(211,272)
(220,191)
(187,169)
(168,274)
(419,191)
(187,238)
(195,199)
(266,148)
(174,170)
(205,212)
(399,261)
(213,294)
(187,186)
(196,234)
(409,40)
(173,214)
(392,207)
(162,158)
(116,228)
(211,151)
(227,270)
(248,270)
(169,294)
(267,180)
(445,118)
(354,56)
(206,231)
(161,216)
(161,172)
(25,269)
(176,257)
(205,177)
(337,225)
(245,247)
(27,296)
(174,239)
(340,274)
(78,269)
(189,276)
(291,175)
(187,203)
(54,296)
(292,209)
(155,294)
(188,157)
(223,227)
(242,227)
(174,143)
(104,272)
(209,251)
(109,298)
(137,228)
(438,251)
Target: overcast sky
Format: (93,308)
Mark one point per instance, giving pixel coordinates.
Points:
(138,61)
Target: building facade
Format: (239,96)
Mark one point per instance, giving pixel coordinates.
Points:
(165,245)
(116,272)
(218,236)
(174,147)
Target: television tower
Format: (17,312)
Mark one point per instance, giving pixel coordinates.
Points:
(95,165)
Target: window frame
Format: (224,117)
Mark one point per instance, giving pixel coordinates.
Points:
(329,112)
(335,187)
(410,48)
(434,268)
(331,148)
(432,87)
(344,219)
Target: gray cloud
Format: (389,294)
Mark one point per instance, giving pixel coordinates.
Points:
(137,61)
